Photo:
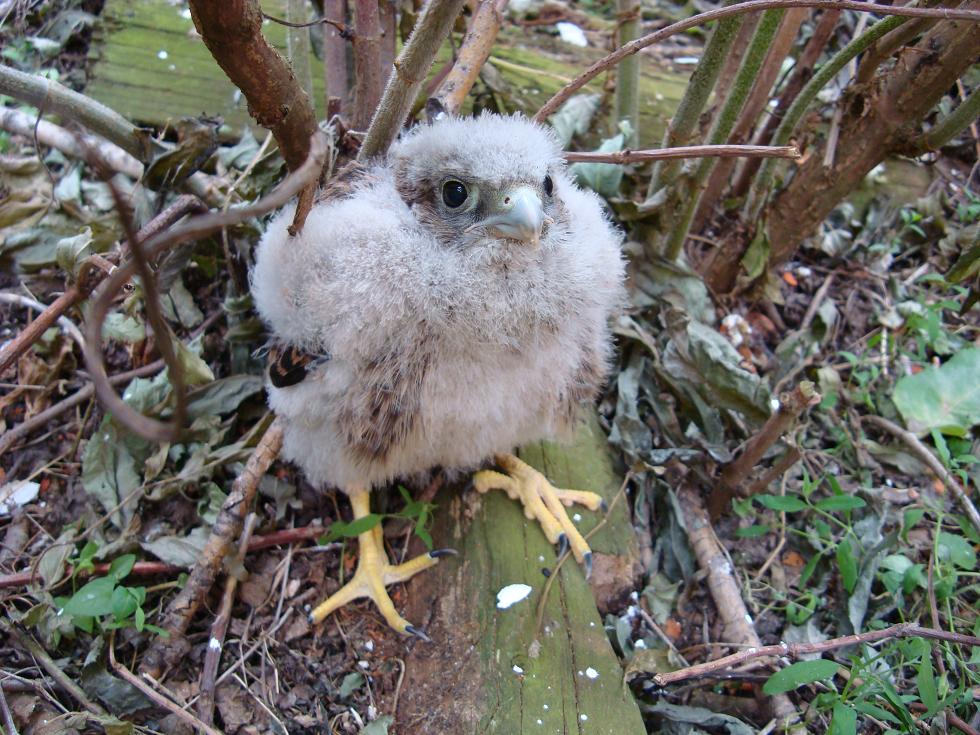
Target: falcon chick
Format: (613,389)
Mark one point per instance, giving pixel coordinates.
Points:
(451,304)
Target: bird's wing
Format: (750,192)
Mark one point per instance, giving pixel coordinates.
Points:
(382,410)
(289,365)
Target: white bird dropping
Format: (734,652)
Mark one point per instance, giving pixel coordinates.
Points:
(511,594)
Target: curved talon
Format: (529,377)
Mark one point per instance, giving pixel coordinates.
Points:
(603,506)
(417,632)
(542,502)
(562,545)
(437,553)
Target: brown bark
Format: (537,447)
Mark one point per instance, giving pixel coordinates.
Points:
(367,62)
(335,58)
(472,56)
(800,76)
(872,127)
(232,31)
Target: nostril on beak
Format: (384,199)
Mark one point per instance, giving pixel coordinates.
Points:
(506,200)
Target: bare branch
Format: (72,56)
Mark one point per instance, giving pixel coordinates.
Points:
(226,528)
(687,151)
(51,97)
(794,650)
(791,405)
(193,229)
(923,454)
(232,31)
(411,66)
(20,123)
(473,54)
(749,6)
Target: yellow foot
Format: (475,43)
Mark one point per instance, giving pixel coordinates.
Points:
(542,502)
(374,573)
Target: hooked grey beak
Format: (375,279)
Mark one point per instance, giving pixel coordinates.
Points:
(518,215)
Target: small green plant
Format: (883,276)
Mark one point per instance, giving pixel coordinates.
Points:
(105,601)
(419,513)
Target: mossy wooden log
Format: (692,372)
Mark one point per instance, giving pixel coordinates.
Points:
(492,671)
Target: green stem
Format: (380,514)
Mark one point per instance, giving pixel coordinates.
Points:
(806,96)
(702,82)
(628,73)
(741,87)
(951,125)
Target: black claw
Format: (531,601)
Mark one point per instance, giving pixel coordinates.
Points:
(562,545)
(546,572)
(436,553)
(587,560)
(603,506)
(418,632)
(311,619)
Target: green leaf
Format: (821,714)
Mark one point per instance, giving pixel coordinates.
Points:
(752,531)
(798,674)
(844,721)
(756,256)
(71,251)
(196,371)
(378,727)
(350,683)
(93,600)
(109,473)
(222,396)
(840,502)
(340,529)
(925,680)
(784,503)
(123,328)
(957,550)
(121,567)
(575,116)
(946,398)
(847,564)
(603,178)
(124,603)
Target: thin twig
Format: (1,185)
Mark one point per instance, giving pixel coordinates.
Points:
(791,405)
(227,527)
(140,569)
(195,228)
(163,701)
(92,276)
(794,650)
(342,27)
(552,105)
(473,54)
(212,658)
(47,316)
(153,307)
(923,454)
(48,664)
(411,66)
(689,151)
(8,717)
(48,134)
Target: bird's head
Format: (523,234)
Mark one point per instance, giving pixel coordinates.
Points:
(484,181)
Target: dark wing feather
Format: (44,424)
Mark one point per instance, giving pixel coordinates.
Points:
(290,365)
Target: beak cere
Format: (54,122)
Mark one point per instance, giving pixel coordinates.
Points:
(518,214)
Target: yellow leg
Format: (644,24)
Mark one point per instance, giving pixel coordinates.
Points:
(542,502)
(374,573)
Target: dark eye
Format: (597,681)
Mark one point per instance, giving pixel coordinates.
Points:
(549,186)
(454,193)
